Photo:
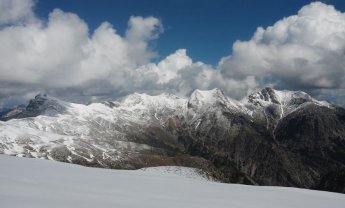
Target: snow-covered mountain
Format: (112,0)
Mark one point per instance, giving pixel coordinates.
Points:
(88,131)
(234,141)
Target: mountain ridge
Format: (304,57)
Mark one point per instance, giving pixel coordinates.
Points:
(253,141)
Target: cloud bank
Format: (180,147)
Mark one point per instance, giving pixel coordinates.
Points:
(304,51)
(60,56)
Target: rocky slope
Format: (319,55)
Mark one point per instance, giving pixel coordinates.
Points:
(270,138)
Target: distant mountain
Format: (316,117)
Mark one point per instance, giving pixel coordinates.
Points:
(272,137)
(41,104)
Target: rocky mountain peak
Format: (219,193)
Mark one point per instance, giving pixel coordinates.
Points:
(267,94)
(206,98)
(44,104)
(146,101)
(293,99)
(39,100)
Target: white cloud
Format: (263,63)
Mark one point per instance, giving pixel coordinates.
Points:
(177,73)
(60,53)
(62,57)
(140,31)
(168,69)
(301,51)
(13,11)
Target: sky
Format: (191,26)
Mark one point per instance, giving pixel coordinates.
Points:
(88,51)
(207,28)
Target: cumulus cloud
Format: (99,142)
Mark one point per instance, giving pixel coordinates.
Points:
(14,11)
(303,51)
(140,31)
(178,74)
(60,53)
(62,57)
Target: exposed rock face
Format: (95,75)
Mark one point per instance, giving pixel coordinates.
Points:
(316,135)
(271,138)
(11,113)
(40,105)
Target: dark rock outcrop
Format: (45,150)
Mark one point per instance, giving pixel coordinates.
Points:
(40,105)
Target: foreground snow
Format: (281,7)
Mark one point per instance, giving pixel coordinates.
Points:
(41,183)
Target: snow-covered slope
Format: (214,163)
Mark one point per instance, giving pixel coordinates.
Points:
(173,171)
(206,100)
(271,105)
(86,131)
(39,183)
(54,129)
(286,101)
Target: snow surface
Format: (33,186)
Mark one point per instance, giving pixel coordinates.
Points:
(42,183)
(207,98)
(186,172)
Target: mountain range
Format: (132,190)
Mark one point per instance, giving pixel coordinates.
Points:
(271,137)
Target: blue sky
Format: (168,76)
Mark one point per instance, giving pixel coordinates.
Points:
(206,28)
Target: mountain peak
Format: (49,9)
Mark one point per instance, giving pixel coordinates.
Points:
(206,96)
(44,104)
(269,95)
(207,93)
(40,96)
(202,99)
